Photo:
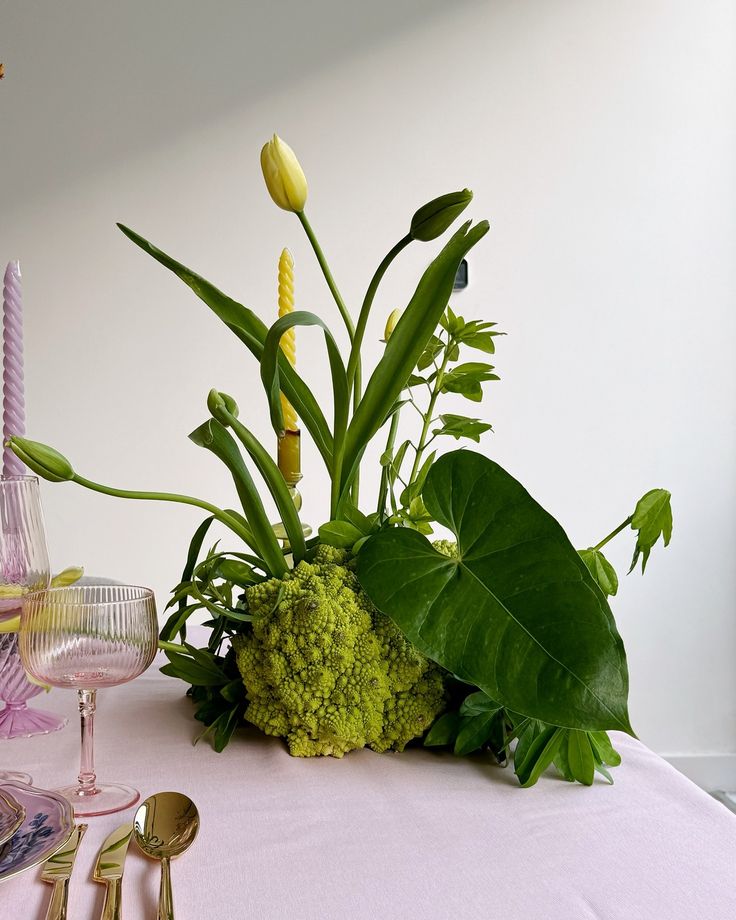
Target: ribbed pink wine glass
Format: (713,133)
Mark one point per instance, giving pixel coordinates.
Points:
(85,637)
(24,567)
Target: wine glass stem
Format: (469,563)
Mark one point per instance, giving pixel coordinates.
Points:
(87,778)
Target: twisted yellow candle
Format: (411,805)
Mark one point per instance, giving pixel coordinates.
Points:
(288,339)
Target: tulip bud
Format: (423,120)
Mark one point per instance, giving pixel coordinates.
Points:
(431,220)
(67,576)
(393,318)
(42,459)
(218,403)
(284,177)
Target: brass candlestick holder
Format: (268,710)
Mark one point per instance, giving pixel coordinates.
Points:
(289,459)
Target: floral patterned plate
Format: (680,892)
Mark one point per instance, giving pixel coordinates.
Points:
(12,815)
(47,826)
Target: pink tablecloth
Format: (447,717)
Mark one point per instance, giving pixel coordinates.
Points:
(420,834)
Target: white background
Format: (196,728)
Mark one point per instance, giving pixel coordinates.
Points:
(600,140)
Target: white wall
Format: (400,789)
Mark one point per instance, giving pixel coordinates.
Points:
(598,137)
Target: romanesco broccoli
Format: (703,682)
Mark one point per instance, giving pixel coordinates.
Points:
(326,671)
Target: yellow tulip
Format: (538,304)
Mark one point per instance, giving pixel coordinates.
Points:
(393,318)
(284,176)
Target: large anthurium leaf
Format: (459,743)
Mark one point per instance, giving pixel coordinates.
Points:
(517,613)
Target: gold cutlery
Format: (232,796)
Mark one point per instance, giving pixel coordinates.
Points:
(109,870)
(164,826)
(57,870)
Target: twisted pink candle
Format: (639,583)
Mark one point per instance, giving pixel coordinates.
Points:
(14,414)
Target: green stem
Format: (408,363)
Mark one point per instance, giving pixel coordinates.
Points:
(349,325)
(354,369)
(365,309)
(430,412)
(328,274)
(171,647)
(390,440)
(613,533)
(227,519)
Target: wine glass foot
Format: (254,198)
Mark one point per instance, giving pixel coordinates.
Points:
(22,722)
(107,798)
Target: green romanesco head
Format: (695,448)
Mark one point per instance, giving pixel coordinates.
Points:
(446,547)
(326,671)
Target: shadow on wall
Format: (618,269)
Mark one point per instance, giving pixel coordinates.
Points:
(161,67)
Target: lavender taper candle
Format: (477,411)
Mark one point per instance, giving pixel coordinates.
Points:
(14,408)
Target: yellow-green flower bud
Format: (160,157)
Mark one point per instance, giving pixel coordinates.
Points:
(433,218)
(284,176)
(393,318)
(42,459)
(67,576)
(218,402)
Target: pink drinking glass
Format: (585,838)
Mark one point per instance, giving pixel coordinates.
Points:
(24,567)
(85,637)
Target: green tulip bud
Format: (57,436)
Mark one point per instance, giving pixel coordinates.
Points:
(219,403)
(431,220)
(42,459)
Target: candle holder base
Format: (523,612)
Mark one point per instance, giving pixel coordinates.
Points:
(22,722)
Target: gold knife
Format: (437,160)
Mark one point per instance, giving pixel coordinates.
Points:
(57,870)
(109,870)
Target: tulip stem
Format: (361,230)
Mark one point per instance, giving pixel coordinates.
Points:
(235,525)
(347,319)
(354,359)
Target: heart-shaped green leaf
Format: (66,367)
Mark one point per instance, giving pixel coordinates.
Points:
(516,613)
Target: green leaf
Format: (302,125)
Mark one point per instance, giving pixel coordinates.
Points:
(538,756)
(407,342)
(215,437)
(444,730)
(415,487)
(562,763)
(482,341)
(474,732)
(237,572)
(580,757)
(476,703)
(177,622)
(466,379)
(271,377)
(605,750)
(339,533)
(198,672)
(252,332)
(272,475)
(234,692)
(652,518)
(601,569)
(452,323)
(517,613)
(433,347)
(459,426)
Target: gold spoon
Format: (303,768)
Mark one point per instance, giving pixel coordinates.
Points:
(164,826)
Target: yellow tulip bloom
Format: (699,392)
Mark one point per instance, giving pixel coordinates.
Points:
(284,177)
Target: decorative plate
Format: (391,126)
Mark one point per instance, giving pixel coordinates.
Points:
(12,815)
(47,826)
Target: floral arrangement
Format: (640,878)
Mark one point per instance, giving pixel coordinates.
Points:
(368,633)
